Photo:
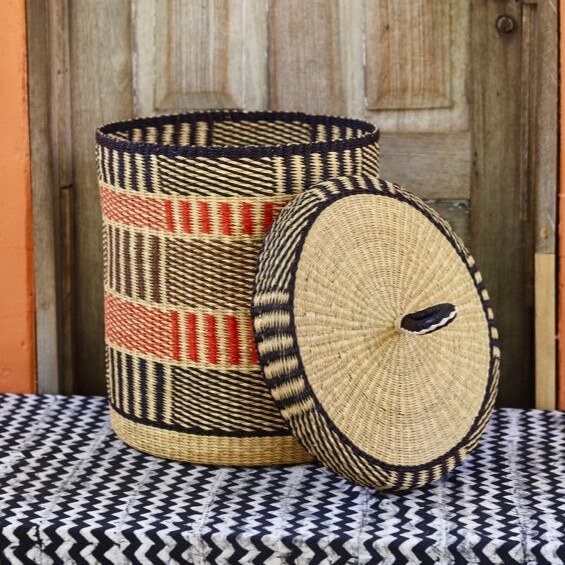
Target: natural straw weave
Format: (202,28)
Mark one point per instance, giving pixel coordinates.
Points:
(370,392)
(186,201)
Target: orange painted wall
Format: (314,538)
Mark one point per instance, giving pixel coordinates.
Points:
(17,340)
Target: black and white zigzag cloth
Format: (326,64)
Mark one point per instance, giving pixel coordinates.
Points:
(72,492)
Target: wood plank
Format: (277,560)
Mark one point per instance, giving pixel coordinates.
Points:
(546,385)
(192,54)
(66,290)
(546,132)
(49,92)
(433,165)
(545,179)
(43,199)
(101,91)
(408,61)
(500,239)
(61,139)
(306,70)
(60,102)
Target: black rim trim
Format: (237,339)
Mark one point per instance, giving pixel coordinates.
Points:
(251,151)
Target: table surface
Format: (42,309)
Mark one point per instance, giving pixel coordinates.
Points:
(72,492)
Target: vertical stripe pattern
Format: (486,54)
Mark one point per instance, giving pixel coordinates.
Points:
(186,202)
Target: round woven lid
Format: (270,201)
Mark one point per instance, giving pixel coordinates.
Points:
(375,333)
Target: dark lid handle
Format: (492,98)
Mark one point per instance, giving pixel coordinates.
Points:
(428,320)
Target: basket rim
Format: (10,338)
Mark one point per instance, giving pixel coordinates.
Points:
(104,134)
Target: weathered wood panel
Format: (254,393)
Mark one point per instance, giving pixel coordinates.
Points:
(306,68)
(433,165)
(546,383)
(50,124)
(44,204)
(546,144)
(101,91)
(499,234)
(155,56)
(408,54)
(194,54)
(451,30)
(545,177)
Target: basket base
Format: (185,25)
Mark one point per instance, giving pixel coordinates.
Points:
(209,450)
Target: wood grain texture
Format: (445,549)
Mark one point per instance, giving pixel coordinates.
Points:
(499,235)
(52,176)
(66,259)
(546,361)
(544,178)
(528,105)
(546,131)
(306,69)
(101,91)
(61,141)
(408,54)
(44,205)
(433,165)
(452,118)
(194,54)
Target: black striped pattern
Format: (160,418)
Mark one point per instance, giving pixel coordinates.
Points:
(140,388)
(133,260)
(186,200)
(205,176)
(195,270)
(262,132)
(272,307)
(229,153)
(191,399)
(223,400)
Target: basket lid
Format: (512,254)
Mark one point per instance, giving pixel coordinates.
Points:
(375,333)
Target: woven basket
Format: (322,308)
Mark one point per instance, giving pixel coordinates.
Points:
(186,201)
(375,333)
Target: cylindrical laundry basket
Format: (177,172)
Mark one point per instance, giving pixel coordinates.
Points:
(186,201)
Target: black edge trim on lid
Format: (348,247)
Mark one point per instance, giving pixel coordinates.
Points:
(397,193)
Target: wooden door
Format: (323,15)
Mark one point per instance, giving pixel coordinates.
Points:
(451,85)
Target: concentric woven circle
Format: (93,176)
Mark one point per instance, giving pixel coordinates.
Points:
(375,333)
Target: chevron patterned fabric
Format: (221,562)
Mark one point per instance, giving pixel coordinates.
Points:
(72,492)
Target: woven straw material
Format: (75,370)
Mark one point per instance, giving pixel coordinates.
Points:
(186,201)
(375,333)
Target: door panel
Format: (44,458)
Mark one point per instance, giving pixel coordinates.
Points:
(445,86)
(307,69)
(503,119)
(409,55)
(204,54)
